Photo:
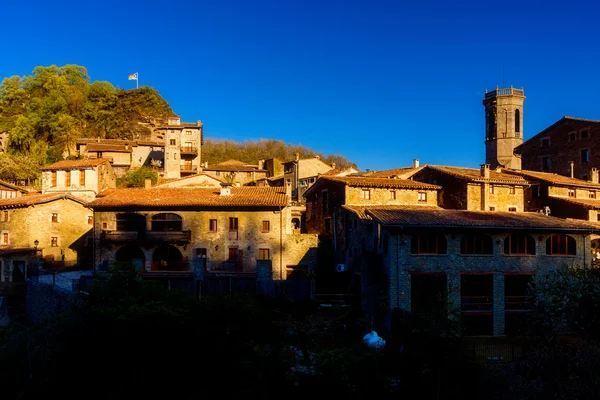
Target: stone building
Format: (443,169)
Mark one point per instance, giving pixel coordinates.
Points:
(469,266)
(569,147)
(179,234)
(473,189)
(8,190)
(57,224)
(503,127)
(123,154)
(83,179)
(183,147)
(237,172)
(301,174)
(198,180)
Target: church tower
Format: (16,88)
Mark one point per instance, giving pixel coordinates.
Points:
(503,126)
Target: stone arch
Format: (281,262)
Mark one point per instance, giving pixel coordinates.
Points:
(128,254)
(166,257)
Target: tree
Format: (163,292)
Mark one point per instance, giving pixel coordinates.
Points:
(137,178)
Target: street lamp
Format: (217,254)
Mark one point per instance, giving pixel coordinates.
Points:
(37,260)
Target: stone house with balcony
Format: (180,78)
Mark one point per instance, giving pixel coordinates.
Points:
(83,179)
(569,147)
(473,267)
(57,225)
(182,147)
(187,235)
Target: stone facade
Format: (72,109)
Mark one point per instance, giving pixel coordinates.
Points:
(504,127)
(183,147)
(569,147)
(60,224)
(237,172)
(83,179)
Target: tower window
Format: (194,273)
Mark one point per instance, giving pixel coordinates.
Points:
(585,156)
(517,121)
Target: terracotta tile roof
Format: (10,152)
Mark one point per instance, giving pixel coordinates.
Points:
(591,204)
(105,141)
(150,143)
(75,164)
(37,198)
(473,174)
(117,148)
(233,168)
(181,126)
(246,196)
(553,178)
(189,177)
(360,211)
(13,187)
(381,182)
(390,173)
(443,218)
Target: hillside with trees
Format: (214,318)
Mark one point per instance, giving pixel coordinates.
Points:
(49,110)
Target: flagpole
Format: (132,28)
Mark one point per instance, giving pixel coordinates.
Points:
(137,79)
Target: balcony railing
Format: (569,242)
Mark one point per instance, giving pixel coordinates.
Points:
(158,236)
(504,92)
(189,150)
(190,169)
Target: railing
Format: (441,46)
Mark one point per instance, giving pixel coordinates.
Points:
(189,150)
(504,92)
(169,236)
(476,303)
(119,236)
(517,303)
(188,168)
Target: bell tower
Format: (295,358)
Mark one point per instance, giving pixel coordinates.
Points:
(503,126)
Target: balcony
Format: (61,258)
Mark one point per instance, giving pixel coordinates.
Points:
(188,169)
(147,236)
(119,236)
(189,150)
(504,92)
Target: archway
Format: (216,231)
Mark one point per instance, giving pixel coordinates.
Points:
(128,254)
(167,258)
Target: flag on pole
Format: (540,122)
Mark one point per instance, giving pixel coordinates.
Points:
(133,77)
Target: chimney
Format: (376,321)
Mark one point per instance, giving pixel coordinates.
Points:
(416,163)
(572,163)
(485,170)
(261,164)
(147,183)
(332,165)
(205,164)
(225,189)
(594,175)
(297,156)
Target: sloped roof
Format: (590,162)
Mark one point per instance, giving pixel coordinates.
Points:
(37,198)
(552,178)
(360,211)
(474,175)
(245,196)
(116,148)
(444,218)
(381,182)
(392,173)
(590,204)
(13,187)
(189,178)
(560,121)
(75,164)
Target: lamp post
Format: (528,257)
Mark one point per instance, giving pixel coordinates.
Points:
(37,260)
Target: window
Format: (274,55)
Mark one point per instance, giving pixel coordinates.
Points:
(428,244)
(392,195)
(492,208)
(519,245)
(200,252)
(212,225)
(82,177)
(188,132)
(266,226)
(585,156)
(476,244)
(585,133)
(545,142)
(54,217)
(67,178)
(572,136)
(545,163)
(104,225)
(491,189)
(53,184)
(54,241)
(233,224)
(512,209)
(5,239)
(571,192)
(365,194)
(517,121)
(172,142)
(4,216)
(422,196)
(166,222)
(592,194)
(90,220)
(264,254)
(511,190)
(560,245)
(535,191)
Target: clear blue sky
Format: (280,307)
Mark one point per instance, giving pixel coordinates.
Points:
(379,82)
